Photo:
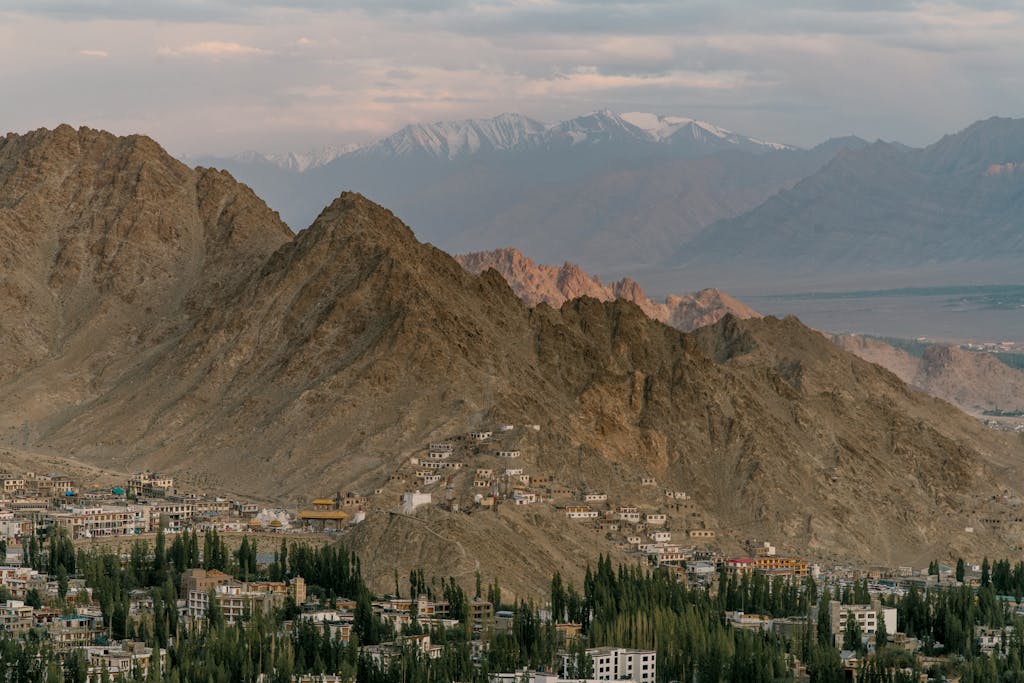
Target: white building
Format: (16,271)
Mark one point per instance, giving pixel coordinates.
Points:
(620,664)
(411,501)
(866,616)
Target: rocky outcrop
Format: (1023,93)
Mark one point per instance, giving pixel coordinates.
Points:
(554,285)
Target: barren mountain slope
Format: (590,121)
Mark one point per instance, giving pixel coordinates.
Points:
(328,364)
(974,381)
(553,285)
(109,244)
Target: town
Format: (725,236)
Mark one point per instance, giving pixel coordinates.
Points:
(811,621)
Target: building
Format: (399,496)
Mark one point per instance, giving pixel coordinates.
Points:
(619,664)
(866,616)
(628,514)
(75,631)
(15,617)
(10,483)
(236,599)
(123,659)
(149,484)
(781,566)
(102,520)
(580,512)
(325,514)
(413,500)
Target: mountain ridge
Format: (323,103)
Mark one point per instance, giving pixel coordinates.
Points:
(554,285)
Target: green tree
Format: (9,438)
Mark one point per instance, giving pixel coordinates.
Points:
(881,634)
(852,635)
(960,570)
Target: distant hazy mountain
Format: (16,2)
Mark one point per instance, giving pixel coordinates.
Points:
(957,205)
(610,191)
(286,161)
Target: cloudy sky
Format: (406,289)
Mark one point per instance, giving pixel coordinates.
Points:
(220,76)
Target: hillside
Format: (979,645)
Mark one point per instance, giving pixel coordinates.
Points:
(554,285)
(288,368)
(886,210)
(974,381)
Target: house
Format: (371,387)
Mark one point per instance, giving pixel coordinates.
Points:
(441,446)
(595,497)
(10,483)
(628,514)
(655,519)
(508,454)
(480,436)
(413,500)
(580,512)
(648,481)
(701,533)
(660,536)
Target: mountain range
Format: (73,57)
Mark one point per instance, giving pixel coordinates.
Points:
(949,210)
(677,203)
(610,191)
(160,316)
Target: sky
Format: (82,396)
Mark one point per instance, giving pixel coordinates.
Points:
(222,76)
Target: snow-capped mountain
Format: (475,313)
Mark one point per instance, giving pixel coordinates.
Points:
(455,139)
(681,130)
(515,132)
(466,138)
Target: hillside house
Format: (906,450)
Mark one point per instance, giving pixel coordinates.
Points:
(580,512)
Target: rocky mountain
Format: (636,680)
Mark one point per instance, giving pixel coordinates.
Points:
(610,191)
(972,380)
(950,210)
(163,317)
(554,285)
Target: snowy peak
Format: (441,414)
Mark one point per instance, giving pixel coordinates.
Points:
(596,127)
(681,130)
(455,139)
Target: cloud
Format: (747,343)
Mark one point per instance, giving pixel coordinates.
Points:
(305,42)
(94,53)
(212,49)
